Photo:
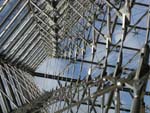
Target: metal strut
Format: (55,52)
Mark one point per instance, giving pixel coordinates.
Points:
(141,78)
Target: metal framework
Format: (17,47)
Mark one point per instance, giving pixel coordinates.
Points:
(16,88)
(106,43)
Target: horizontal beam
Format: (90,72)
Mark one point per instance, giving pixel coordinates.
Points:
(67,79)
(54,77)
(124,47)
(90,62)
(141,4)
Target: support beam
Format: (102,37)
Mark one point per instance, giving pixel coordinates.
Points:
(55,77)
(90,62)
(67,79)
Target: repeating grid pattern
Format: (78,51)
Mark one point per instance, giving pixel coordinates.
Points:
(106,43)
(16,88)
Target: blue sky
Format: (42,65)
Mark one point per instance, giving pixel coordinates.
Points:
(134,39)
(54,66)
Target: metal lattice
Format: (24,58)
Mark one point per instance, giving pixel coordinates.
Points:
(106,43)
